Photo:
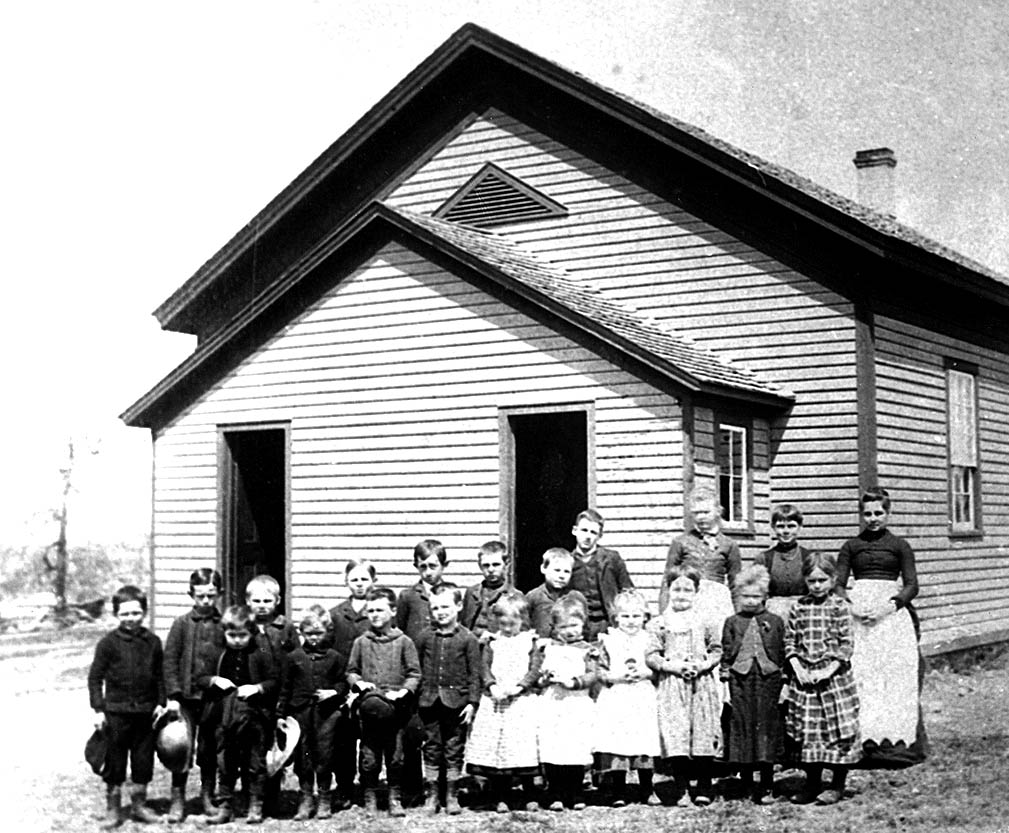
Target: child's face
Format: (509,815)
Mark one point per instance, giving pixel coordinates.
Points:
(571,630)
(444,610)
(875,516)
(681,593)
(750,600)
(630,620)
(430,570)
(509,624)
(313,634)
(819,583)
(130,615)
(237,637)
(379,613)
(557,574)
(587,534)
(262,602)
(204,597)
(492,565)
(359,582)
(787,532)
(705,516)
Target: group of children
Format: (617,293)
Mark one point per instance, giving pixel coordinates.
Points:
(505,685)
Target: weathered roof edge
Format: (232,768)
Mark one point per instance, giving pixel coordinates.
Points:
(148,410)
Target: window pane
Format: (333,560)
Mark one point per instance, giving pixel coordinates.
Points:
(962,419)
(963,481)
(730,453)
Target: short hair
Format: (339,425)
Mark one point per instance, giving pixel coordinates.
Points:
(449,587)
(492,548)
(513,602)
(824,561)
(268,583)
(566,608)
(630,598)
(874,494)
(354,563)
(237,618)
(380,591)
(428,547)
(786,512)
(556,552)
(704,494)
(683,571)
(755,575)
(315,615)
(590,515)
(129,593)
(205,575)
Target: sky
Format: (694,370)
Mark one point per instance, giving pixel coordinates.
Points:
(141,136)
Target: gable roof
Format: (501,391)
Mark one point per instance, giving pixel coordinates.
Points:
(340,174)
(507,265)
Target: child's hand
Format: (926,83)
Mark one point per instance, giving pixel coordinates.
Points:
(324,694)
(570,684)
(498,693)
(247,691)
(466,717)
(513,691)
(173,707)
(361,685)
(398,694)
(222,683)
(99,721)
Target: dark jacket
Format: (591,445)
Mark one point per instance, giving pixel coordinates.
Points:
(541,602)
(308,671)
(450,668)
(256,670)
(192,649)
(772,635)
(613,577)
(276,640)
(476,607)
(126,675)
(413,610)
(348,625)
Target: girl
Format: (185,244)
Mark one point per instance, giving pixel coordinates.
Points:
(503,742)
(784,560)
(886,662)
(626,724)
(753,656)
(568,672)
(685,649)
(822,699)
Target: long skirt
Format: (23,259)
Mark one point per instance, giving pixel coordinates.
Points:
(565,720)
(887,667)
(504,737)
(823,720)
(690,715)
(755,732)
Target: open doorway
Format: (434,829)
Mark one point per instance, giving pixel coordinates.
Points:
(547,475)
(254,507)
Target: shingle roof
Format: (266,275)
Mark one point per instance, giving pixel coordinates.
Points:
(592,305)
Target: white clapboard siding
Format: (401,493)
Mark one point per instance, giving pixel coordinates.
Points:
(965,581)
(392,385)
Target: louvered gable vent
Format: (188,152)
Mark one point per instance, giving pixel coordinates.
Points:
(493,197)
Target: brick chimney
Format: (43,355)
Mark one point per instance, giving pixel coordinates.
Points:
(876,179)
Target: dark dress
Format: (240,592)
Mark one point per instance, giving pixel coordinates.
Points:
(754,673)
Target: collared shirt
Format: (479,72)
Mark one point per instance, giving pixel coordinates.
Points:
(388,660)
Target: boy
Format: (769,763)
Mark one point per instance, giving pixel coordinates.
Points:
(556,568)
(451,672)
(413,608)
(275,636)
(384,669)
(598,573)
(244,688)
(128,693)
(192,649)
(479,599)
(314,692)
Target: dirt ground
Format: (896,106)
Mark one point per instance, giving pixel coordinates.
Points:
(964,785)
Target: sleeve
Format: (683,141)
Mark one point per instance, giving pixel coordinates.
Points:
(761,559)
(713,643)
(843,570)
(403,611)
(286,690)
(173,661)
(474,669)
(591,675)
(269,678)
(733,563)
(96,677)
(158,661)
(729,649)
(203,682)
(411,666)
(654,653)
(486,663)
(470,607)
(792,634)
(535,671)
(844,630)
(354,663)
(338,676)
(603,659)
(673,557)
(538,622)
(908,574)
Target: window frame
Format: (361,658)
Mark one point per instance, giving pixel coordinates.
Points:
(974,527)
(721,422)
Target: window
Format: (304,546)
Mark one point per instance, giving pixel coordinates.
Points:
(961,406)
(733,473)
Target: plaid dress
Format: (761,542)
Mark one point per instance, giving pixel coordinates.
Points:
(823,718)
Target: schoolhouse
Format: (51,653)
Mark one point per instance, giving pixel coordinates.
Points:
(508,293)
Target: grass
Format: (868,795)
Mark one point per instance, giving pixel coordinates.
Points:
(964,786)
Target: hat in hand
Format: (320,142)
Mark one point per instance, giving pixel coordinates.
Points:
(95,751)
(173,743)
(277,756)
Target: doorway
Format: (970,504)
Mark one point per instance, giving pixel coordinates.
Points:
(547,477)
(254,507)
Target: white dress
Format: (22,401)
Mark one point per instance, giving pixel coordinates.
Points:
(504,736)
(566,715)
(627,722)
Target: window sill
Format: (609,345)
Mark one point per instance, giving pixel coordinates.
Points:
(966,534)
(738,530)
